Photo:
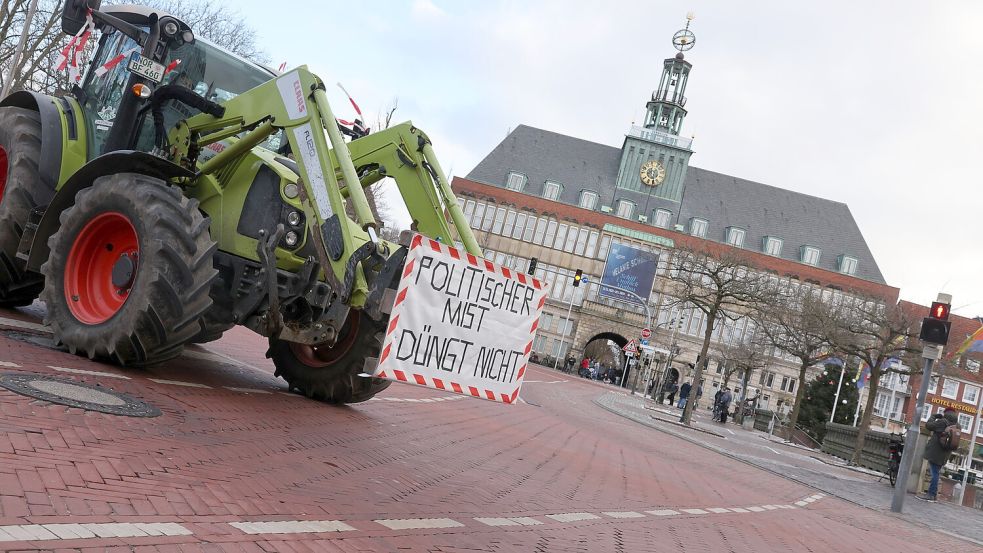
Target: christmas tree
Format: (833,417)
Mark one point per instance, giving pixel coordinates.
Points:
(819,396)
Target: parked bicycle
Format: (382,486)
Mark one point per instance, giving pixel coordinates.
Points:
(895,448)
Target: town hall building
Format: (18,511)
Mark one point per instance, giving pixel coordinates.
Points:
(566,202)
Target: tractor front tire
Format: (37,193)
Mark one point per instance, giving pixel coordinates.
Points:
(129,271)
(332,374)
(21,190)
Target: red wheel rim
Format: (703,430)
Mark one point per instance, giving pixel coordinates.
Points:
(3,172)
(320,357)
(103,243)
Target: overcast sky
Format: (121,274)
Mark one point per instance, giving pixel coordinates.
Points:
(875,104)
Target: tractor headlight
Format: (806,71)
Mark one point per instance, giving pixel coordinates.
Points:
(291,239)
(291,190)
(170,28)
(293,218)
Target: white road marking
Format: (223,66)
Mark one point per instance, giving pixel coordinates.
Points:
(738,510)
(4,321)
(801,503)
(755,509)
(732,433)
(623,514)
(527,521)
(770,507)
(572,517)
(694,511)
(33,532)
(718,510)
(416,523)
(247,390)
(774,451)
(178,383)
(292,527)
(663,512)
(544,381)
(9,364)
(514,521)
(90,373)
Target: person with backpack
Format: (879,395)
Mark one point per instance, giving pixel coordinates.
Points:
(945,439)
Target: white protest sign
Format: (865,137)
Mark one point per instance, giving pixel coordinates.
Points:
(461,324)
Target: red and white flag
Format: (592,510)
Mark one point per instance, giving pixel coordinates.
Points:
(109,65)
(69,57)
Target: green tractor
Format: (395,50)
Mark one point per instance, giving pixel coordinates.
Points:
(180,190)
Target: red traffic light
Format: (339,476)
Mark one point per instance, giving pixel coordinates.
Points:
(939,311)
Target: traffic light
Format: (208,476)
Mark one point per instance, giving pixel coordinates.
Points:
(577,277)
(935,327)
(532,266)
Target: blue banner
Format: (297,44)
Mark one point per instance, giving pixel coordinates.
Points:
(631,269)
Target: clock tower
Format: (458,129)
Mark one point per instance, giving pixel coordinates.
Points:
(654,157)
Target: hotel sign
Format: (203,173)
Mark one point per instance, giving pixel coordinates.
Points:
(958,406)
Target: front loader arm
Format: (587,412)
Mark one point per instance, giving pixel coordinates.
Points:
(296,103)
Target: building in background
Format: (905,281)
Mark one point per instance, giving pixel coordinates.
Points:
(573,204)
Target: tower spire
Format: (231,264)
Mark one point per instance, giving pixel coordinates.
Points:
(666,110)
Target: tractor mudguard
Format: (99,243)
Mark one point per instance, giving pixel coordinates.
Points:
(122,161)
(51,131)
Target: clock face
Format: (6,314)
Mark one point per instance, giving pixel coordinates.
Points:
(652,173)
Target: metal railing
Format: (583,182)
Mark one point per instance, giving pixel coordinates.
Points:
(662,137)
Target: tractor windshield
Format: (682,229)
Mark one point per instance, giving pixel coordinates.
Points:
(211,72)
(203,67)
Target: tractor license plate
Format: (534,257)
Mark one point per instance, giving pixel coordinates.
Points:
(146,68)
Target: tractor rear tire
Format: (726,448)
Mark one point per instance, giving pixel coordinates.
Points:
(129,271)
(21,190)
(332,374)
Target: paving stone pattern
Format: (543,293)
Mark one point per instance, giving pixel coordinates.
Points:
(231,470)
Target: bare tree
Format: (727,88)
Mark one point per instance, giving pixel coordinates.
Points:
(720,284)
(215,21)
(794,321)
(874,333)
(34,69)
(741,358)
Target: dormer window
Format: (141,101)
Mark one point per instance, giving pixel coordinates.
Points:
(772,246)
(662,218)
(588,199)
(735,236)
(516,181)
(551,190)
(698,227)
(847,265)
(625,209)
(810,255)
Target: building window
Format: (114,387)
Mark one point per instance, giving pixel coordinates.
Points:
(810,255)
(735,236)
(551,190)
(588,199)
(550,234)
(499,220)
(540,231)
(926,412)
(530,227)
(561,236)
(965,422)
(979,431)
(661,218)
(516,181)
(970,394)
(848,265)
(602,251)
(698,227)
(950,388)
(625,209)
(772,246)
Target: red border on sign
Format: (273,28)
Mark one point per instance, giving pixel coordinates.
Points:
(416,242)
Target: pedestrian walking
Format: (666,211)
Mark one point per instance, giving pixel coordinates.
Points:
(716,403)
(684,394)
(725,398)
(938,448)
(671,389)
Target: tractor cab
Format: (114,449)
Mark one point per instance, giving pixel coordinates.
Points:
(122,79)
